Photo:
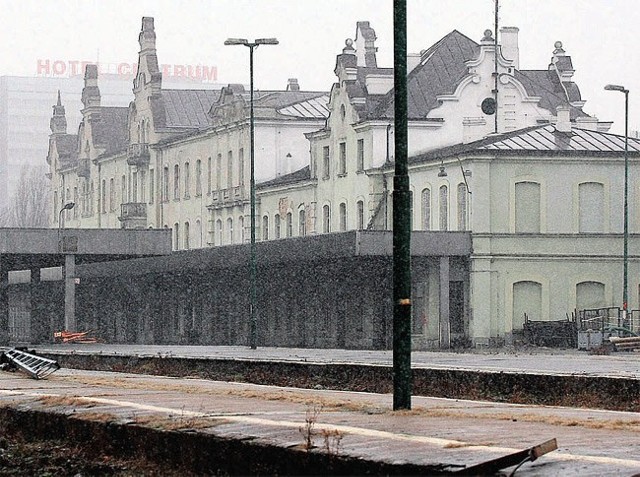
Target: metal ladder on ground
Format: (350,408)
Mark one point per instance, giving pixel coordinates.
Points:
(36,366)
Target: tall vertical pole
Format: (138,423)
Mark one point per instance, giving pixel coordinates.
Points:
(625,286)
(252,187)
(495,64)
(402,378)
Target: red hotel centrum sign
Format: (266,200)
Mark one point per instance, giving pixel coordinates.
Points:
(66,68)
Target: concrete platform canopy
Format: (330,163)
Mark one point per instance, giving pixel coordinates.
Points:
(35,249)
(26,249)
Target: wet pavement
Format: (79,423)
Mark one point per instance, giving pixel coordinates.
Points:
(436,431)
(538,360)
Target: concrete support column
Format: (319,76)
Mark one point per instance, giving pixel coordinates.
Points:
(445,336)
(4,305)
(70,292)
(482,297)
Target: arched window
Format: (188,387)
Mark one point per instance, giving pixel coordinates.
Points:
(289,224)
(198,236)
(186,236)
(276,225)
(176,236)
(426,209)
(343,217)
(241,167)
(302,223)
(176,182)
(527,300)
(123,187)
(218,235)
(187,181)
(444,207)
(326,219)
(591,207)
(219,172)
(590,295)
(165,184)
(241,228)
(462,206)
(198,178)
(229,169)
(360,214)
(230,230)
(527,207)
(103,197)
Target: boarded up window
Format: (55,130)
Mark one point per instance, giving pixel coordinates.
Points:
(527,207)
(527,300)
(591,214)
(590,295)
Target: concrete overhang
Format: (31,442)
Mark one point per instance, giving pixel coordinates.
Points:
(23,249)
(299,250)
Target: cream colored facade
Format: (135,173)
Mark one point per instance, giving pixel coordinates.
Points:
(534,179)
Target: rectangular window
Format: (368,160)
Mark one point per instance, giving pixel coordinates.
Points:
(342,170)
(360,161)
(209,183)
(229,170)
(325,162)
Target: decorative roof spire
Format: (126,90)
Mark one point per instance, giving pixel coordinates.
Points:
(58,122)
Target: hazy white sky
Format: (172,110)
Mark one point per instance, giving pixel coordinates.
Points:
(602,36)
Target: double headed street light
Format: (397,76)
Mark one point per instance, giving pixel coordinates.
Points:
(625,286)
(252,46)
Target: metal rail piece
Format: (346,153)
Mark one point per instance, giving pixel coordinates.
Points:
(36,366)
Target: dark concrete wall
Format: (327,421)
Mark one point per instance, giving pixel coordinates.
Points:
(338,304)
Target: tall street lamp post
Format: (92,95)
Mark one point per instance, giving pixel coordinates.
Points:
(67,206)
(625,259)
(253,269)
(69,273)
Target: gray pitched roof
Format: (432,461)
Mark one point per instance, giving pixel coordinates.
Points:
(111,130)
(547,85)
(441,68)
(537,141)
(67,145)
(303,174)
(188,108)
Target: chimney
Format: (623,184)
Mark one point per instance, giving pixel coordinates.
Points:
(292,84)
(509,40)
(564,119)
(413,60)
(91,92)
